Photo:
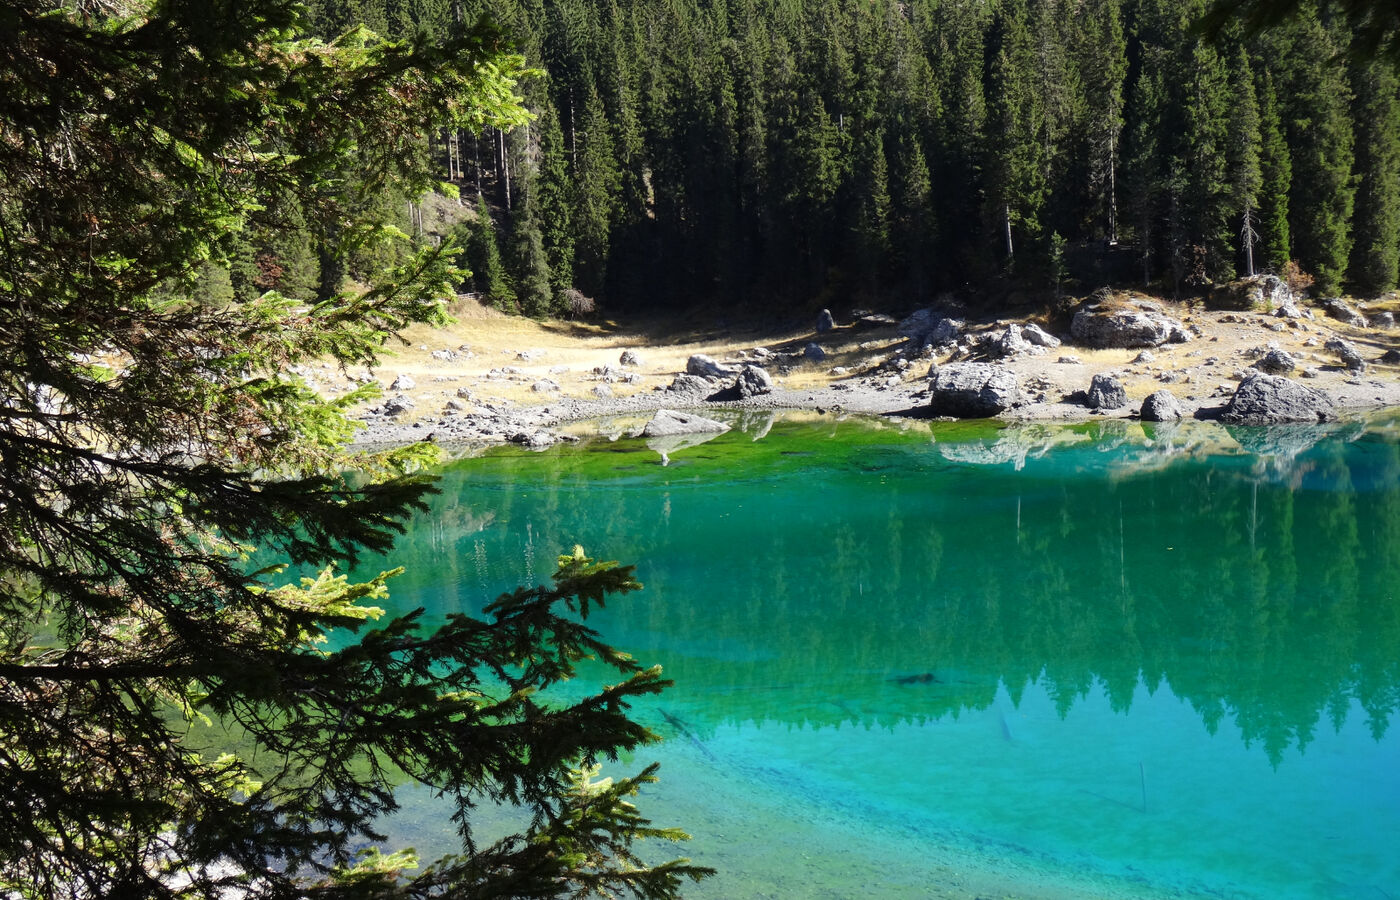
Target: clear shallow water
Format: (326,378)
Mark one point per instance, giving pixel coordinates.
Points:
(937,660)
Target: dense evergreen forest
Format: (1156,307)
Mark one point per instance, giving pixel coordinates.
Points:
(768,152)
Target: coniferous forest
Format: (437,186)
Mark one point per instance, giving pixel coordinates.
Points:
(766,153)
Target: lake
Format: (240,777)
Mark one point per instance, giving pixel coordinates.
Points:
(960,659)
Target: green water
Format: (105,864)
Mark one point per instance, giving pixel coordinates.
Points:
(939,660)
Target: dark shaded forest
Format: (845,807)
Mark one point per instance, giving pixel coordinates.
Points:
(770,153)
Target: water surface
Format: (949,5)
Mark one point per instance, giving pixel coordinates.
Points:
(940,660)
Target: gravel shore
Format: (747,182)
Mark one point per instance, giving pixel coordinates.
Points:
(469,398)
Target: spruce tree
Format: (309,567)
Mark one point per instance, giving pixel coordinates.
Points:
(1015,175)
(1103,66)
(1276,176)
(554,189)
(1376,255)
(596,184)
(872,225)
(1321,143)
(174,722)
(1243,156)
(483,257)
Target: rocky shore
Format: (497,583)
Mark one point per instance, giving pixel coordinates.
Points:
(1270,359)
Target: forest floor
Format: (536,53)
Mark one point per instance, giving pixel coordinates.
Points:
(490,376)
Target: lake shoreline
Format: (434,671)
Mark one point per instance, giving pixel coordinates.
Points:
(521,381)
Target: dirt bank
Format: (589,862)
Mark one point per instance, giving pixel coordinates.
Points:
(492,377)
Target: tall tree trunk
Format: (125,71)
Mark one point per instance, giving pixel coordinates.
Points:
(1248,237)
(1112,192)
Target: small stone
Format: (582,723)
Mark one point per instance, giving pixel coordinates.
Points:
(825,322)
(403,383)
(1161,406)
(705,367)
(630,358)
(752,382)
(1106,392)
(1276,362)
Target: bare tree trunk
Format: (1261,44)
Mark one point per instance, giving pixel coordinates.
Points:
(1248,236)
(1112,193)
(1006,225)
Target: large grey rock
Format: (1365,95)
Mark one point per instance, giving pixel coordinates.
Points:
(537,439)
(544,386)
(1271,400)
(1011,343)
(825,322)
(1039,336)
(403,383)
(1276,362)
(1161,406)
(1346,351)
(1339,310)
(690,384)
(927,327)
(1261,293)
(753,381)
(705,366)
(813,353)
(1098,327)
(1106,392)
(1383,319)
(973,390)
(668,422)
(1269,291)
(630,358)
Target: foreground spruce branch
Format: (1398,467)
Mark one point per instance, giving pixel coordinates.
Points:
(170,725)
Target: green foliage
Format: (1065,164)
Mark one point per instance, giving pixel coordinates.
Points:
(1276,174)
(1375,261)
(697,150)
(483,257)
(151,438)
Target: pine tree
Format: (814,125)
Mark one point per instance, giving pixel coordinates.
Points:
(1375,260)
(554,191)
(1243,155)
(150,443)
(483,257)
(596,186)
(1015,176)
(914,233)
(1276,176)
(1321,143)
(1103,64)
(1205,195)
(1145,169)
(872,225)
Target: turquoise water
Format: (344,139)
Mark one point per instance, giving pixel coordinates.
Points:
(958,660)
